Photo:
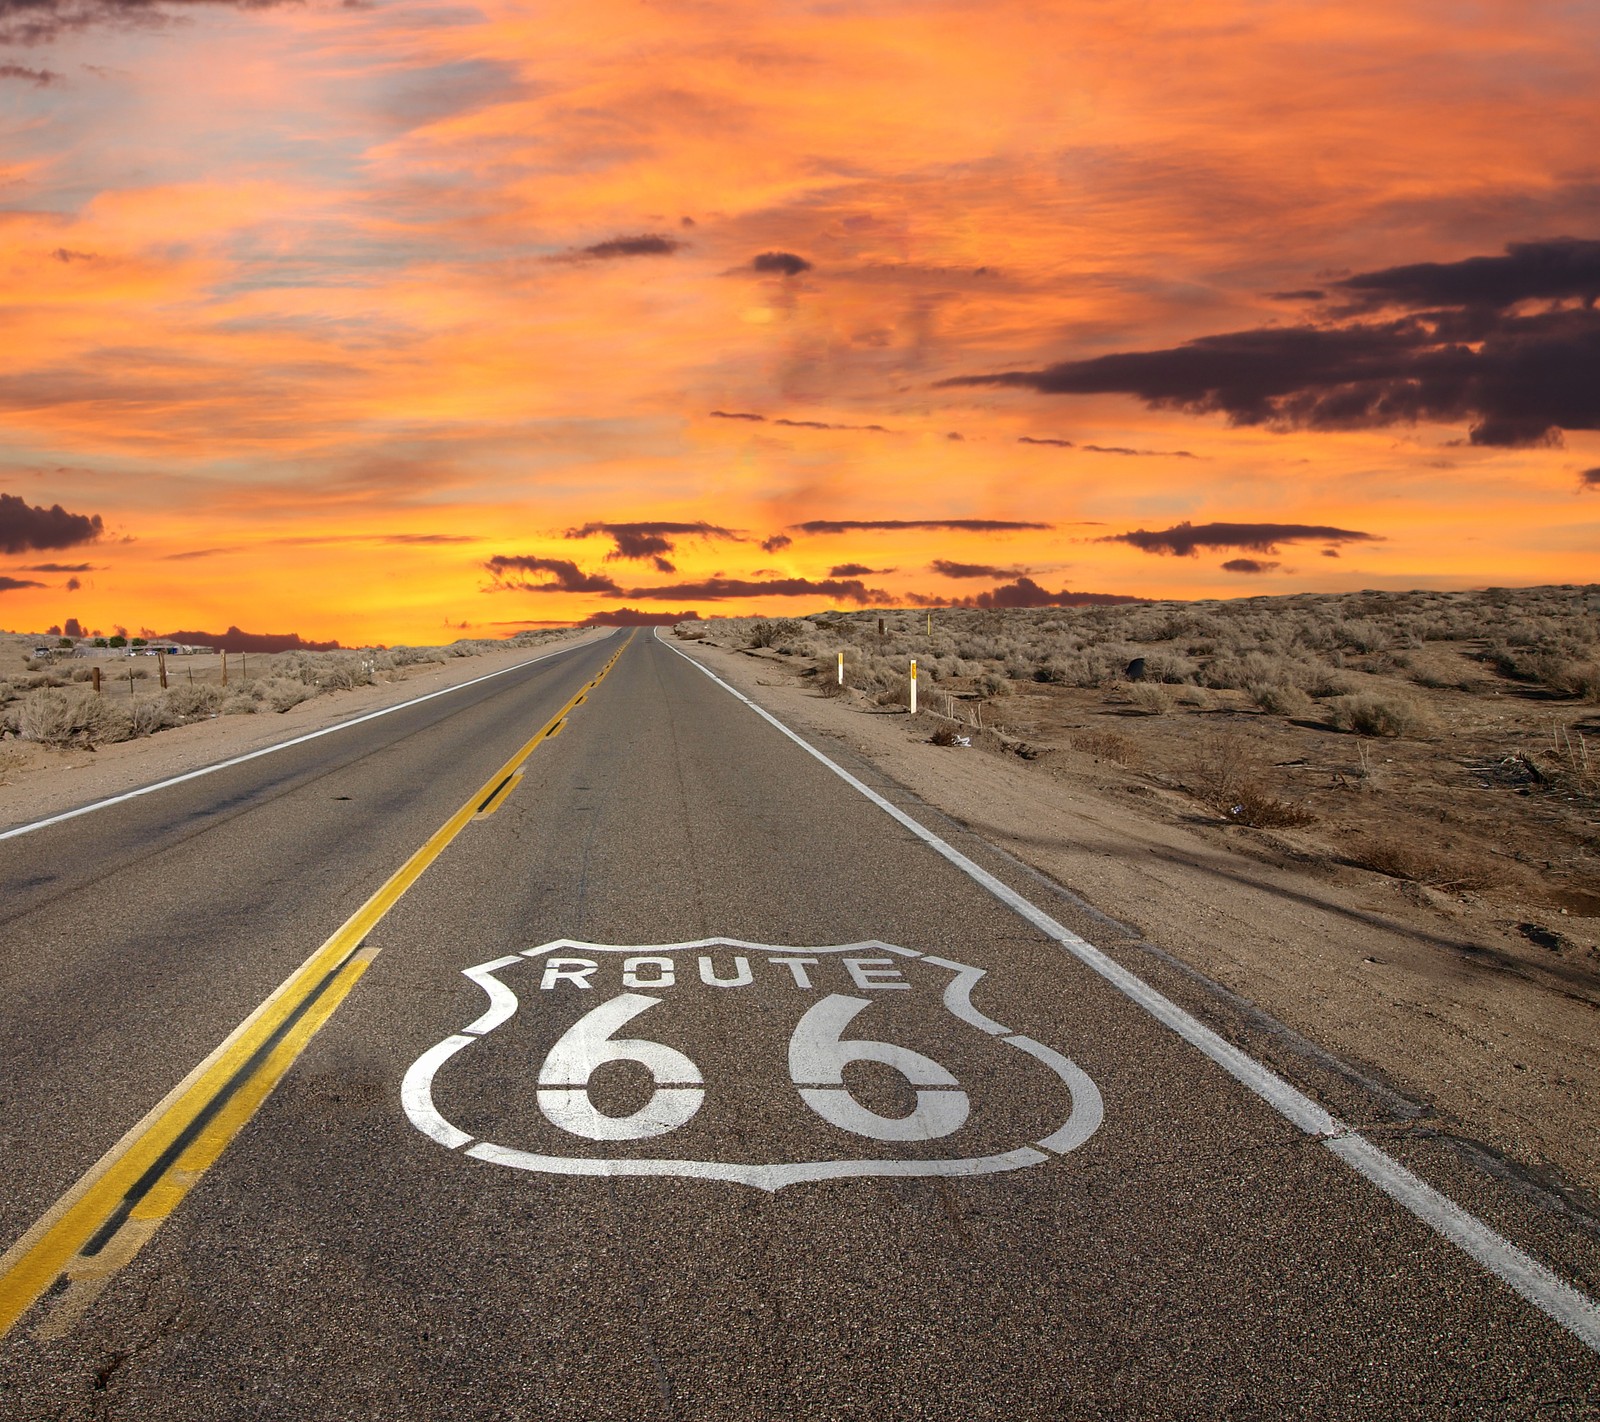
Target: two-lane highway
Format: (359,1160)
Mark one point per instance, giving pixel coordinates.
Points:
(652,1069)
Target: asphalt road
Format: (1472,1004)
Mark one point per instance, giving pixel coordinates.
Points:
(754,1106)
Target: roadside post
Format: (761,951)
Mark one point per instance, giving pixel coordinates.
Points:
(161,668)
(96,671)
(224,666)
(841,668)
(913,686)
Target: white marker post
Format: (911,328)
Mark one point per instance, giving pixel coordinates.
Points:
(841,668)
(913,686)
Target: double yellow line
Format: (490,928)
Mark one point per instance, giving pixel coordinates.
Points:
(96,1228)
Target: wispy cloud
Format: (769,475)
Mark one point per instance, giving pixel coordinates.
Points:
(880,525)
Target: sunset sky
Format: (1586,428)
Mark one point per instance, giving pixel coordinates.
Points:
(405,321)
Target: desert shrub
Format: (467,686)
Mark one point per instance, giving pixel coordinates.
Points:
(1230,781)
(281,692)
(1405,859)
(1371,715)
(240,703)
(1253,806)
(1363,635)
(1107,745)
(412,656)
(185,702)
(768,633)
(1322,682)
(992,684)
(1196,696)
(55,717)
(147,715)
(1170,667)
(1280,700)
(82,673)
(1151,697)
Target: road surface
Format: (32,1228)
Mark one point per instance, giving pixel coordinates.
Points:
(580,1045)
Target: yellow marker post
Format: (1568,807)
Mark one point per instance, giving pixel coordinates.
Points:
(913,686)
(841,668)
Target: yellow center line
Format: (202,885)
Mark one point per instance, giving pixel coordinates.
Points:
(100,1223)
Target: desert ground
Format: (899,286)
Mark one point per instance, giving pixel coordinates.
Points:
(62,746)
(1373,817)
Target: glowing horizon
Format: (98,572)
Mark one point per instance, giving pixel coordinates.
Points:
(342,320)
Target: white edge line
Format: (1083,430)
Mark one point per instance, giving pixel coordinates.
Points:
(283,745)
(1540,1286)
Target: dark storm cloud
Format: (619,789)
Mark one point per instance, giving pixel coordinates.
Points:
(511,572)
(1517,378)
(776,543)
(1059,443)
(736,415)
(67,256)
(1589,479)
(12,584)
(1565,268)
(651,541)
(1186,539)
(843,589)
(39,78)
(73,584)
(1309,294)
(1024,592)
(36,21)
(973,570)
(779,263)
(646,244)
(878,525)
(26,527)
(636,617)
(856,570)
(1248,565)
(59,568)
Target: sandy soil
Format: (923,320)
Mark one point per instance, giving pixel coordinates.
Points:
(1443,993)
(37,781)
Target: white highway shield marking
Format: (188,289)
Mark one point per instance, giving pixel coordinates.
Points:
(746,1062)
(1540,1286)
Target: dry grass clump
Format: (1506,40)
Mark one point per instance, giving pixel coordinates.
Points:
(1280,699)
(1368,714)
(764,633)
(189,703)
(1421,864)
(1151,697)
(280,692)
(1230,781)
(54,717)
(1106,745)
